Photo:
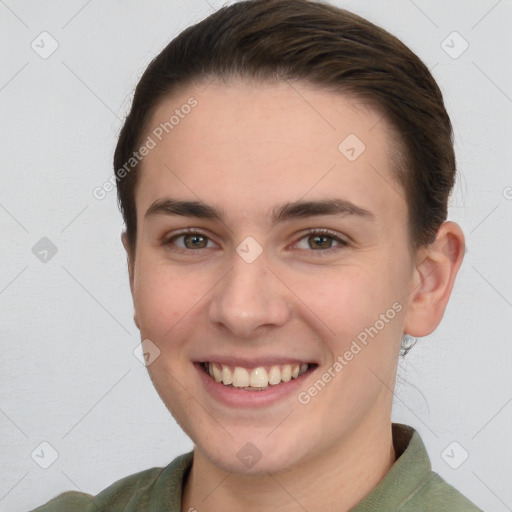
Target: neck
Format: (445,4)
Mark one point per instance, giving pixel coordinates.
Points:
(336,479)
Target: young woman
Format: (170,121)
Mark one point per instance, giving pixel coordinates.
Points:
(283,175)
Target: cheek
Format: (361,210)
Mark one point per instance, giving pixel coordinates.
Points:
(349,297)
(162,299)
(362,305)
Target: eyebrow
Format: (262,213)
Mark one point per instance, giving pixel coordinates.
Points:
(289,211)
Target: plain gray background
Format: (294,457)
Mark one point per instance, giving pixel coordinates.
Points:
(69,376)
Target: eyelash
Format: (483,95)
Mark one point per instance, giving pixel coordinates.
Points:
(323,232)
(318,252)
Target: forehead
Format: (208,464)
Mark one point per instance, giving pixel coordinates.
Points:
(259,144)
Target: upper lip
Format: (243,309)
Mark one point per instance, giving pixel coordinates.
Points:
(253,362)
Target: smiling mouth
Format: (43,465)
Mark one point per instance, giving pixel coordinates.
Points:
(255,379)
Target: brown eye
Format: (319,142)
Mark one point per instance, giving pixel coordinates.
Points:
(189,240)
(320,241)
(195,241)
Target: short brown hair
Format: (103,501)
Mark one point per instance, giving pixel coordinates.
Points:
(301,40)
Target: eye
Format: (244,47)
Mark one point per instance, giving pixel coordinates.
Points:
(189,240)
(320,240)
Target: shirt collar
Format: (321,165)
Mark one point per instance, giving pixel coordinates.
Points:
(410,472)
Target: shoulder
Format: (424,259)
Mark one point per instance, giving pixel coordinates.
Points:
(436,495)
(71,501)
(133,492)
(411,485)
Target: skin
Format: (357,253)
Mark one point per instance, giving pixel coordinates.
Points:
(246,149)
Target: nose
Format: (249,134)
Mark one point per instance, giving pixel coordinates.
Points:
(249,299)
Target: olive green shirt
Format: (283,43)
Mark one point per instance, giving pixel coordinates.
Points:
(409,486)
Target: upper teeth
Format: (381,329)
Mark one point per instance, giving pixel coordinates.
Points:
(258,377)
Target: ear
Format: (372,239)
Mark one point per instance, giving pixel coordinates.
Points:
(130,260)
(433,278)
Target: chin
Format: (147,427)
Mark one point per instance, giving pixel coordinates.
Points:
(251,461)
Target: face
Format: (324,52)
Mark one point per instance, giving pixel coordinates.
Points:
(274,245)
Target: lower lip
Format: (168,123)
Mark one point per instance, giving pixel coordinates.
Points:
(240,398)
